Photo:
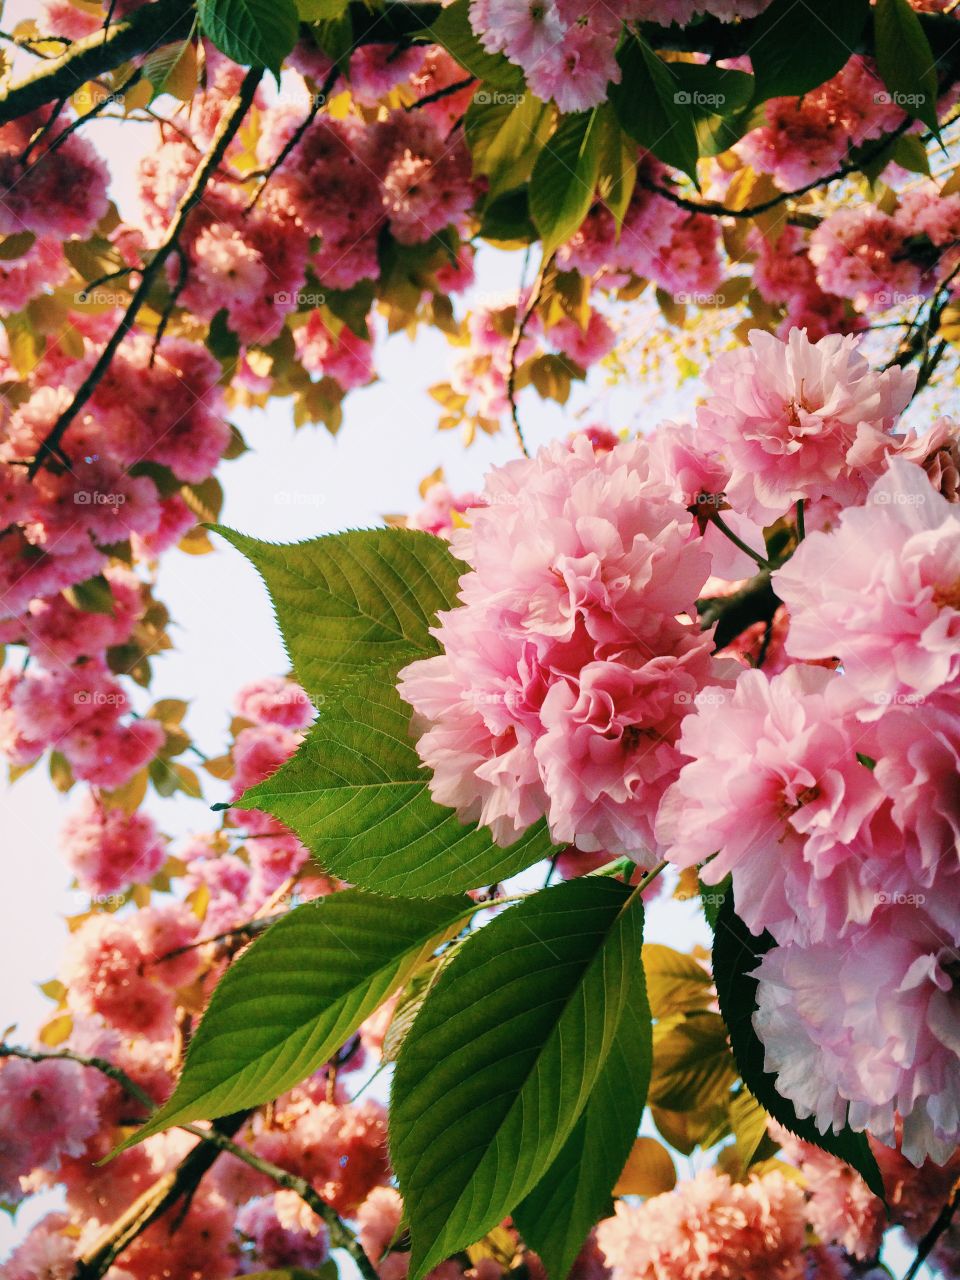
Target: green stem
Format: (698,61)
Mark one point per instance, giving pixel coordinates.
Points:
(727,532)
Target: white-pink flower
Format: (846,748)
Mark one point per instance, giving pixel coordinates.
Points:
(881,592)
(786,416)
(866,1030)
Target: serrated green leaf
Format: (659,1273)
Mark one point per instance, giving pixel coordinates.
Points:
(505,132)
(564,178)
(505,1055)
(255,33)
(556,1217)
(352,599)
(652,106)
(905,60)
(796,47)
(736,953)
(164,67)
(358,796)
(298,993)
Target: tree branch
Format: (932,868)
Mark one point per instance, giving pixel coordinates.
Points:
(147,28)
(180,1183)
(229,124)
(183,1180)
(519,327)
(341,1237)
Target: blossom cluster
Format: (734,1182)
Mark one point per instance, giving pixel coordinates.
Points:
(819,774)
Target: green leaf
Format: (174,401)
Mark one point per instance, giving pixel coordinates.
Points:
(349,600)
(358,796)
(504,1056)
(321,10)
(298,993)
(334,35)
(736,953)
(910,154)
(93,596)
(452,29)
(505,132)
(717,98)
(692,1064)
(796,47)
(676,983)
(255,33)
(16,245)
(556,1217)
(167,66)
(564,178)
(618,167)
(652,105)
(905,60)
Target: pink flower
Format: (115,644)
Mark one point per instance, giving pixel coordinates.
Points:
(787,415)
(882,592)
(841,1208)
(48,1252)
(284,1232)
(274,700)
(440,506)
(566,672)
(343,356)
(862,254)
(709,1228)
(867,1031)
(47,1110)
(775,784)
(108,849)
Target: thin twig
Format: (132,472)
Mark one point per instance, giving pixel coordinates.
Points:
(341,1237)
(439,94)
(925,1247)
(316,106)
(716,209)
(226,130)
(519,327)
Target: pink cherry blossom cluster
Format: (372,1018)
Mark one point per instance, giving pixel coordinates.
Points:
(567,48)
(575,685)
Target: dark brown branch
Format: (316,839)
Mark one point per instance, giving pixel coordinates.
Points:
(164,1194)
(439,94)
(319,102)
(519,328)
(147,28)
(926,1245)
(232,118)
(177,1185)
(716,209)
